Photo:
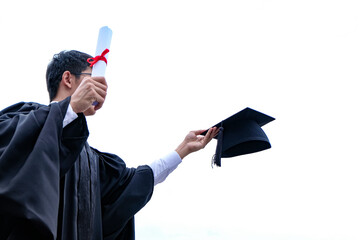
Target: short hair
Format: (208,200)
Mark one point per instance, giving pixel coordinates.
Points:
(72,61)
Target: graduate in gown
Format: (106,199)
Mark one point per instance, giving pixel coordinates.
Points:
(53,185)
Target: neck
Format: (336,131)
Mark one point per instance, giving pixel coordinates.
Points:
(60,96)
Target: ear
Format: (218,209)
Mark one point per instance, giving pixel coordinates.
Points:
(68,79)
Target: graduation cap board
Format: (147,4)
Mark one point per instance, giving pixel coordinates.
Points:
(241,134)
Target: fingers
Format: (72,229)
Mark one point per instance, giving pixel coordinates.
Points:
(194,141)
(99,82)
(210,135)
(97,101)
(211,132)
(100,87)
(216,131)
(197,132)
(204,140)
(90,90)
(97,87)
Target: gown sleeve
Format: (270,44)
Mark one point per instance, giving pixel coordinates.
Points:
(124,191)
(32,148)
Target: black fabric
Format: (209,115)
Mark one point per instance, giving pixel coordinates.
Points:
(53,185)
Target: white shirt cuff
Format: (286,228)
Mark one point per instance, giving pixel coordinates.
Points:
(69,117)
(164,166)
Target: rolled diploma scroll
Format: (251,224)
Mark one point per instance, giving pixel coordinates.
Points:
(104,41)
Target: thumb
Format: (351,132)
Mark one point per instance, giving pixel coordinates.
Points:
(198,132)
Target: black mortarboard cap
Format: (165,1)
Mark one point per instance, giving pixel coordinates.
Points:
(241,134)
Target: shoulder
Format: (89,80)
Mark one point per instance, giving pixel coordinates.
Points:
(112,165)
(19,108)
(109,163)
(24,108)
(20,112)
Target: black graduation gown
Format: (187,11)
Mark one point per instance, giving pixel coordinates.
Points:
(53,185)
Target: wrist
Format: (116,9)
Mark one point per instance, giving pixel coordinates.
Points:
(73,107)
(182,150)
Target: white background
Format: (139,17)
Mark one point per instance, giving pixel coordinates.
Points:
(177,66)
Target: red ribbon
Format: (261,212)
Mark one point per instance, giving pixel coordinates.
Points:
(101,57)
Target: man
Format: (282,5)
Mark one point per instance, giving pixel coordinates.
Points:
(53,185)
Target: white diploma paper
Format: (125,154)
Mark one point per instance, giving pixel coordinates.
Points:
(104,41)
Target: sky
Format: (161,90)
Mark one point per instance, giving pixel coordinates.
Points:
(177,66)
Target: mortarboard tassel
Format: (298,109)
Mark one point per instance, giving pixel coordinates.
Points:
(217,157)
